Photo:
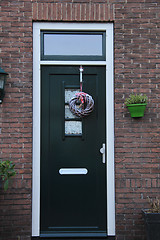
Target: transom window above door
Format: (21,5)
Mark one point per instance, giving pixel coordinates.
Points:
(73,45)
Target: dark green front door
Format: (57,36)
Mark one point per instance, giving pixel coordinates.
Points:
(73,176)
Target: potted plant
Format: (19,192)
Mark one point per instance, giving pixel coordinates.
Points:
(152,219)
(136,104)
(6,172)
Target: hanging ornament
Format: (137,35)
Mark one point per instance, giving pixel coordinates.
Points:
(82,104)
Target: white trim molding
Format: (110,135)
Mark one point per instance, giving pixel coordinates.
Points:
(108,27)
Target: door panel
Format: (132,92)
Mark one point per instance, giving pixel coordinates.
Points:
(72,204)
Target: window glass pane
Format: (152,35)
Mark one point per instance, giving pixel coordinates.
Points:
(1,84)
(80,44)
(73,127)
(68,113)
(70,93)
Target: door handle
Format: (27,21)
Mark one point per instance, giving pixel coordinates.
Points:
(103,152)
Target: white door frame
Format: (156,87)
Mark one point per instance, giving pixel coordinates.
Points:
(37,62)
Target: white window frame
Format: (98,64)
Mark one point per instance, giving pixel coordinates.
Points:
(108,27)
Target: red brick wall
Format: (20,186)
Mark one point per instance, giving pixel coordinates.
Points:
(16,117)
(137,69)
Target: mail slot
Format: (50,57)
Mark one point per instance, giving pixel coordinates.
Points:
(73,171)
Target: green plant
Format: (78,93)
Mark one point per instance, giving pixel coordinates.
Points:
(6,172)
(136,99)
(154,205)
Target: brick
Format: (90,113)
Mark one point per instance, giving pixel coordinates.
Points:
(64,12)
(83,12)
(35,11)
(59,11)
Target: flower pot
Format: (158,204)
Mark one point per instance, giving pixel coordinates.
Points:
(137,110)
(152,224)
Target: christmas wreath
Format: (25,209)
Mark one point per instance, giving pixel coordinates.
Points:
(82,104)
